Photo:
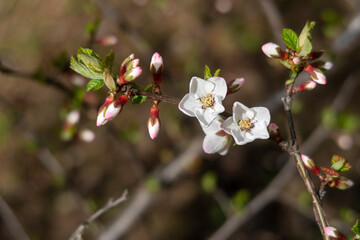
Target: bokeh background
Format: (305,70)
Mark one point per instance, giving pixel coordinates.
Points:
(51,181)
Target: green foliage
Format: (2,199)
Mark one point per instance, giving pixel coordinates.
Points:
(140,99)
(356,229)
(92,27)
(285,64)
(339,164)
(344,121)
(304,45)
(152,184)
(240,199)
(90,65)
(94,84)
(290,38)
(207,73)
(209,182)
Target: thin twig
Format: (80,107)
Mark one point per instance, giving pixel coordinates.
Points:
(77,235)
(12,222)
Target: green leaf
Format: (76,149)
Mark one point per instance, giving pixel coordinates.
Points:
(290,38)
(240,199)
(94,84)
(338,165)
(92,27)
(149,87)
(209,182)
(217,72)
(108,61)
(293,74)
(138,99)
(356,228)
(304,46)
(89,52)
(284,63)
(207,73)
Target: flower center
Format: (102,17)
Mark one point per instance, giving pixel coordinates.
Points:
(246,125)
(207,100)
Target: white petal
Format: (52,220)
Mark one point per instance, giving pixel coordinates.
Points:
(270,49)
(189,104)
(228,125)
(206,116)
(261,114)
(214,127)
(218,107)
(213,143)
(220,86)
(260,130)
(200,87)
(240,112)
(239,137)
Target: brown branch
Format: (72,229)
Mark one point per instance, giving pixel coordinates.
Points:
(77,235)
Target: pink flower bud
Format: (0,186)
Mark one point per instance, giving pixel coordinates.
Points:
(124,63)
(307,86)
(87,135)
(316,74)
(271,50)
(344,183)
(296,60)
(154,122)
(235,84)
(115,107)
(73,117)
(274,131)
(156,64)
(132,74)
(102,110)
(308,162)
(334,233)
(107,41)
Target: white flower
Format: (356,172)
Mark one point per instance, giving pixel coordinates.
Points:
(216,140)
(204,99)
(270,50)
(247,124)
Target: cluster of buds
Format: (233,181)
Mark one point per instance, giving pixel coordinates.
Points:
(330,176)
(298,56)
(156,68)
(129,71)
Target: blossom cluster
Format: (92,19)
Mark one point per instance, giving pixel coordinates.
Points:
(204,101)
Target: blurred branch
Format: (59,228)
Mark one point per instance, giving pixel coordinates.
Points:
(143,199)
(273,17)
(77,235)
(12,222)
(271,192)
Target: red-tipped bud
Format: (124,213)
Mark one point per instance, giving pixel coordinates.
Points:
(124,63)
(107,40)
(109,81)
(235,85)
(316,74)
(271,50)
(154,122)
(333,233)
(342,183)
(132,64)
(309,163)
(274,132)
(132,74)
(102,110)
(115,107)
(307,86)
(156,64)
(315,55)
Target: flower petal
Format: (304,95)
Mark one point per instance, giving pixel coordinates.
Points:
(189,104)
(260,130)
(220,86)
(262,114)
(270,50)
(213,143)
(239,137)
(200,87)
(241,112)
(228,125)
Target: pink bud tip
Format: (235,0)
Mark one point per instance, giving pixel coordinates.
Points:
(156,64)
(307,86)
(107,41)
(154,123)
(101,118)
(133,74)
(235,84)
(87,135)
(270,50)
(308,162)
(296,60)
(316,74)
(332,232)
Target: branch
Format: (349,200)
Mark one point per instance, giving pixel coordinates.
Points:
(77,235)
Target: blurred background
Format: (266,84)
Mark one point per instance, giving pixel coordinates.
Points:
(54,175)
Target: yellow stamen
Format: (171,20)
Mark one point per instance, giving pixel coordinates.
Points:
(207,100)
(246,125)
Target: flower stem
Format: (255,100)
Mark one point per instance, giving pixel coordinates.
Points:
(293,149)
